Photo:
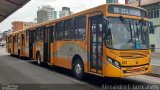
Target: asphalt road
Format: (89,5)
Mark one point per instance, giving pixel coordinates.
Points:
(27,75)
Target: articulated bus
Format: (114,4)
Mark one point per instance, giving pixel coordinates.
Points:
(16,43)
(110,40)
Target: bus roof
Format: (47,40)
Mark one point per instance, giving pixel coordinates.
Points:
(98,9)
(15,32)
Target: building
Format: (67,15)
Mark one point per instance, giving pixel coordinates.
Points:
(153,9)
(19,25)
(111,1)
(129,1)
(65,12)
(46,13)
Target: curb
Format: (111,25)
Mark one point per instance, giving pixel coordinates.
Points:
(152,74)
(155,71)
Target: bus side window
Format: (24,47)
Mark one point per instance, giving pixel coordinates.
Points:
(80,27)
(68,29)
(59,31)
(18,38)
(27,36)
(42,31)
(51,34)
(38,34)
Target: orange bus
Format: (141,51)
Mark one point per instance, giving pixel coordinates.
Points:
(16,43)
(110,40)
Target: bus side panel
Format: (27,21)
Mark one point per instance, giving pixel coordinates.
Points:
(67,50)
(61,55)
(52,56)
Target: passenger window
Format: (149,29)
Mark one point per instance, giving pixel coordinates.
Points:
(38,34)
(18,38)
(51,34)
(27,36)
(59,31)
(42,29)
(80,27)
(68,29)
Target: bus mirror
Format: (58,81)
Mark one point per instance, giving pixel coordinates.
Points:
(151,27)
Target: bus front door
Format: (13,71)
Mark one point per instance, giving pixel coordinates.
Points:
(96,36)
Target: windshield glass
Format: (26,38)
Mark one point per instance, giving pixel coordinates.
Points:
(127,34)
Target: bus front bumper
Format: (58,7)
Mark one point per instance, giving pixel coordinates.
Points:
(112,71)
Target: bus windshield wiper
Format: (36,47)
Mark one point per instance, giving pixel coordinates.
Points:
(128,26)
(139,28)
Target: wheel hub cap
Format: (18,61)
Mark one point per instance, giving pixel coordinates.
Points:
(78,69)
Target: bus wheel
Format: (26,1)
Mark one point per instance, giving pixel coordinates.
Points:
(38,57)
(78,69)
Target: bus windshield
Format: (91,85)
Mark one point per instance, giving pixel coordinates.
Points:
(127,34)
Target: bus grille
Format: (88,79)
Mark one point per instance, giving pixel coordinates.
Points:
(133,55)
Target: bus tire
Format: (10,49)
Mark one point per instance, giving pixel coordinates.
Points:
(78,69)
(38,58)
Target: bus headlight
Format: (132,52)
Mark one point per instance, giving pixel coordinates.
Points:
(113,62)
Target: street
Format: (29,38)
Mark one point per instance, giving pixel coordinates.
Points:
(22,71)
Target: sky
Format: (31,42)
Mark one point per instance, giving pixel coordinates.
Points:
(29,12)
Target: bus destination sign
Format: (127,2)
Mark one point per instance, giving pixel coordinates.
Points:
(126,10)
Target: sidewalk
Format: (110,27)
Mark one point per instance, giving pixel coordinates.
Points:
(155,54)
(155,58)
(155,61)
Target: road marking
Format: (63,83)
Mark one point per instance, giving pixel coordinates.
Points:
(74,80)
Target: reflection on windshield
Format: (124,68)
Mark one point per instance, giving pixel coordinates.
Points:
(127,34)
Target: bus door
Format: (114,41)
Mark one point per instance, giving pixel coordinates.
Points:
(46,45)
(31,43)
(96,37)
(13,40)
(22,44)
(7,44)
(51,44)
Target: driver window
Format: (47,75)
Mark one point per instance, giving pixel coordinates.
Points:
(109,37)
